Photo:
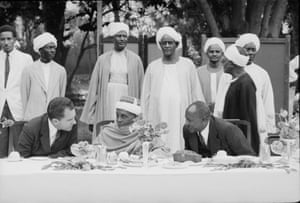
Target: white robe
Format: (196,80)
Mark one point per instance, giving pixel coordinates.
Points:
(265,94)
(117,84)
(167,93)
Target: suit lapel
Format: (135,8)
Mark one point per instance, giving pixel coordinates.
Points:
(45,140)
(214,143)
(194,142)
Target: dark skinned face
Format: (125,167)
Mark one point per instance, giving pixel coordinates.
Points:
(48,52)
(120,40)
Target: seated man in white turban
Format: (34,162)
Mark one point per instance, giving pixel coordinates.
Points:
(44,79)
(240,99)
(265,97)
(117,73)
(170,85)
(117,136)
(210,73)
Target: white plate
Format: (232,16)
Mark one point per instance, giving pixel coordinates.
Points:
(174,165)
(225,160)
(39,158)
(12,160)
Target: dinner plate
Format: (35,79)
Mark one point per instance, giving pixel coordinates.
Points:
(39,158)
(175,165)
(14,160)
(225,159)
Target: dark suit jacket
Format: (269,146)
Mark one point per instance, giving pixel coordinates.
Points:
(34,139)
(222,136)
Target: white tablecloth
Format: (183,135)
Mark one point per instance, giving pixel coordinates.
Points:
(25,182)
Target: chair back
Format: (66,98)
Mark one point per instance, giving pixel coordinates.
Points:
(242,124)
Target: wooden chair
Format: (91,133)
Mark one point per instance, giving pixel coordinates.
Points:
(241,124)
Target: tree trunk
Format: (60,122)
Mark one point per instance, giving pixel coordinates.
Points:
(256,13)
(277,17)
(53,16)
(266,18)
(209,17)
(238,23)
(116,9)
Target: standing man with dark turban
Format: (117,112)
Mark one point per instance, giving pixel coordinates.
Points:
(117,73)
(170,85)
(44,79)
(12,63)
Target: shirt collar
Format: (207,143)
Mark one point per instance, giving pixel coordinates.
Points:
(205,133)
(52,129)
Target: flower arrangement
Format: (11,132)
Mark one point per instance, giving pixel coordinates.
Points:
(288,128)
(146,131)
(6,122)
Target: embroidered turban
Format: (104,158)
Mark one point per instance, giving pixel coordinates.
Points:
(130,104)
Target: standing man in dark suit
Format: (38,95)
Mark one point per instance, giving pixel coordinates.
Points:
(207,135)
(51,134)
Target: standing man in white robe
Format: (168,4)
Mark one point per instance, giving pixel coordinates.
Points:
(117,73)
(170,85)
(265,97)
(44,79)
(210,73)
(12,63)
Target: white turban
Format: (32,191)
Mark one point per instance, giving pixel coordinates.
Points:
(129,104)
(116,27)
(42,40)
(213,41)
(248,38)
(232,54)
(170,32)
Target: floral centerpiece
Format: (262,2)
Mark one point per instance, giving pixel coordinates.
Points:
(83,150)
(148,132)
(288,129)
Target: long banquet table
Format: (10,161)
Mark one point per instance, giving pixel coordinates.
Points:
(26,182)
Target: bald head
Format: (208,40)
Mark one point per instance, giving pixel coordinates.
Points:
(197,116)
(199,109)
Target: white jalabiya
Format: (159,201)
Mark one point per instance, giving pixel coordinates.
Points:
(46,70)
(169,106)
(118,84)
(265,96)
(213,86)
(186,86)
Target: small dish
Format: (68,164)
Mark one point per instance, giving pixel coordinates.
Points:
(175,165)
(39,158)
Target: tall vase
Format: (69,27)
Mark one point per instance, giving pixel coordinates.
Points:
(289,145)
(145,152)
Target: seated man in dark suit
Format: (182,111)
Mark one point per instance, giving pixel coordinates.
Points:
(206,134)
(51,134)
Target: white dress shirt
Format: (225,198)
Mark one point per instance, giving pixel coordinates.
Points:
(205,133)
(52,132)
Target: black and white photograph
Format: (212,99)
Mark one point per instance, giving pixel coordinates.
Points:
(149,101)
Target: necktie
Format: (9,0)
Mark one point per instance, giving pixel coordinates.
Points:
(201,139)
(6,69)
